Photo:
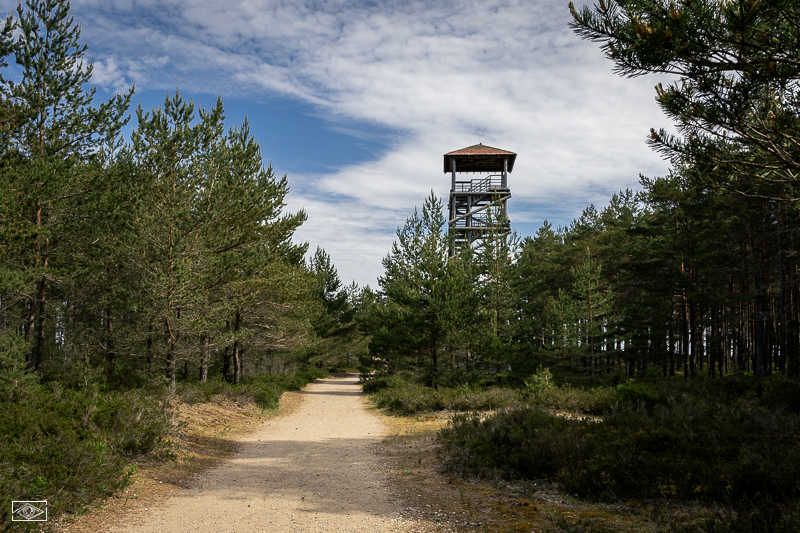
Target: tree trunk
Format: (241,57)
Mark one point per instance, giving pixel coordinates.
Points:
(692,341)
(685,339)
(237,365)
(760,326)
(171,362)
(204,359)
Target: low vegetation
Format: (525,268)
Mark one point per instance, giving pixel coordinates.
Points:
(265,391)
(75,441)
(730,444)
(406,397)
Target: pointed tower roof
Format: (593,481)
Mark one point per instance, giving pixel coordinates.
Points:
(479,158)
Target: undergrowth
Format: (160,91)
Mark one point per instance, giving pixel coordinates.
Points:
(265,391)
(731,442)
(75,441)
(74,446)
(406,397)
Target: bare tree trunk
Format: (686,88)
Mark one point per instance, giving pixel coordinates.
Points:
(237,367)
(785,331)
(685,338)
(205,358)
(760,333)
(170,355)
(692,341)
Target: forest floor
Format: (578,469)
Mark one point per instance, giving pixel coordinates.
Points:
(329,461)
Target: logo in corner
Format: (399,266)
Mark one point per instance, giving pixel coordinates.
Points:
(29,511)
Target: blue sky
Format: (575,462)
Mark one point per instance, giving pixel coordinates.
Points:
(358,101)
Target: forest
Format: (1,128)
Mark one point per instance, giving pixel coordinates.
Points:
(131,268)
(137,267)
(671,313)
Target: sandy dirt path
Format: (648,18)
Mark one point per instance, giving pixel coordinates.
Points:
(313,470)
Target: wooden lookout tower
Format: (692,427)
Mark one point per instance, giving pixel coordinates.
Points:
(477,205)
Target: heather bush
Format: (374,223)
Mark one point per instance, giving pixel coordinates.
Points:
(265,390)
(72,447)
(408,397)
(730,443)
(568,398)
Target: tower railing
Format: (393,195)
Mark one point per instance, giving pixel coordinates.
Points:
(487,184)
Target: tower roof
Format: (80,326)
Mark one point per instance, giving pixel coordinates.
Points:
(479,158)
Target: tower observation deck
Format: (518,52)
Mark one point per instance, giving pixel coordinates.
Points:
(477,206)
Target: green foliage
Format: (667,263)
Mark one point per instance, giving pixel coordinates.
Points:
(407,397)
(52,136)
(526,442)
(72,446)
(265,390)
(707,441)
(16,381)
(540,381)
(340,341)
(594,400)
(636,392)
(735,97)
(424,317)
(375,385)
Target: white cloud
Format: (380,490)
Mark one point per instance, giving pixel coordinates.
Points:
(106,73)
(444,75)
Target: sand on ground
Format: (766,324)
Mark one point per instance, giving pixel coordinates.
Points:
(313,470)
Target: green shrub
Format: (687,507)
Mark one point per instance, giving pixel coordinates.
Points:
(567,398)
(71,447)
(267,396)
(634,392)
(265,390)
(405,397)
(375,385)
(485,400)
(540,381)
(690,441)
(526,442)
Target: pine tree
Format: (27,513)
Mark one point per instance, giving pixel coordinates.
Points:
(591,309)
(335,326)
(208,241)
(493,259)
(736,101)
(414,326)
(55,132)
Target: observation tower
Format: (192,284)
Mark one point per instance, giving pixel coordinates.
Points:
(477,206)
